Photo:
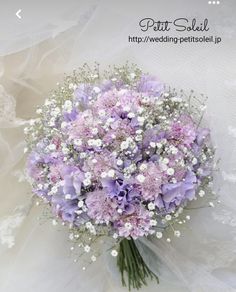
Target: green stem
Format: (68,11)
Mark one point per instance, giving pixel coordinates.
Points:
(131,264)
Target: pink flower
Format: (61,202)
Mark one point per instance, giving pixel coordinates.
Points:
(100,207)
(99,163)
(136,225)
(55,172)
(106,101)
(174,162)
(82,127)
(152,183)
(119,131)
(129,99)
(115,101)
(183,131)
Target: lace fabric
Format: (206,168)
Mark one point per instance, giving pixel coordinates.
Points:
(35,255)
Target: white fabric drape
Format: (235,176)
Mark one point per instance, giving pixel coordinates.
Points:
(56,37)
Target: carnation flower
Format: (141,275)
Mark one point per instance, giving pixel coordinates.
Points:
(152,183)
(81,127)
(183,131)
(136,225)
(107,102)
(100,163)
(55,172)
(100,207)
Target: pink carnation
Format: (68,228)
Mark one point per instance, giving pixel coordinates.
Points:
(183,131)
(100,207)
(152,183)
(99,163)
(136,225)
(82,127)
(107,101)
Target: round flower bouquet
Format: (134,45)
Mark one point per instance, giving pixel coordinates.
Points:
(119,155)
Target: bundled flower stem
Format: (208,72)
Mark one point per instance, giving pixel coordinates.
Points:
(131,262)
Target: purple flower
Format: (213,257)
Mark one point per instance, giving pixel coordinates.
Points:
(64,208)
(33,165)
(202,135)
(173,194)
(72,182)
(36,163)
(154,134)
(82,93)
(127,195)
(70,116)
(136,225)
(152,183)
(150,84)
(100,207)
(183,131)
(106,85)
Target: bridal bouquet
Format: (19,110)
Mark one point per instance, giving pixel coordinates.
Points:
(119,155)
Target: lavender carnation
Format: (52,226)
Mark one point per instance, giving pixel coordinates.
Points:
(100,207)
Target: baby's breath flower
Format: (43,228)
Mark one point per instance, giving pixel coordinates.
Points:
(159,234)
(177,233)
(168,217)
(140,178)
(114,253)
(201,193)
(151,206)
(87,248)
(170,171)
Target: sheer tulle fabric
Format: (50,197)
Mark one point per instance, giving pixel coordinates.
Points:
(34,254)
